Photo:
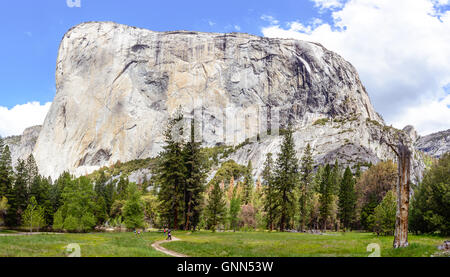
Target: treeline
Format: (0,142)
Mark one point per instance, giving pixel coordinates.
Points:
(29,200)
(290,194)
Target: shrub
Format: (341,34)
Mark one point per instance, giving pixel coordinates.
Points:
(58,221)
(384,215)
(71,224)
(87,222)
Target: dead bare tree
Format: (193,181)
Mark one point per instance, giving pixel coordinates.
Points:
(403,153)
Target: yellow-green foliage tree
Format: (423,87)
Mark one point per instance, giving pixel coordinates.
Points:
(33,217)
(3,208)
(384,215)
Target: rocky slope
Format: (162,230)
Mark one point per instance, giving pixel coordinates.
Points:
(117,85)
(22,146)
(435,144)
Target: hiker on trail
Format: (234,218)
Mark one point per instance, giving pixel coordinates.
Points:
(169,235)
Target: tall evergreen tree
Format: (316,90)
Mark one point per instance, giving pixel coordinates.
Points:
(248,183)
(215,209)
(20,195)
(6,181)
(325,195)
(122,188)
(103,198)
(6,171)
(270,196)
(57,189)
(306,180)
(32,171)
(335,178)
(358,171)
(194,181)
(347,199)
(40,189)
(286,178)
(171,173)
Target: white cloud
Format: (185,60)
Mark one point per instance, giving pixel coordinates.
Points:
(237,27)
(15,120)
(430,117)
(269,19)
(211,23)
(400,48)
(441,2)
(328,4)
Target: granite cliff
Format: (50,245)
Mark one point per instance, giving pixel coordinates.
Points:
(117,85)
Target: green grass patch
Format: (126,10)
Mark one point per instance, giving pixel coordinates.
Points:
(219,244)
(276,244)
(91,244)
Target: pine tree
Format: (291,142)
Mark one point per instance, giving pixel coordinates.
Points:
(40,189)
(20,195)
(347,199)
(358,171)
(306,180)
(32,171)
(335,178)
(270,196)
(194,181)
(248,183)
(286,178)
(325,196)
(57,189)
(171,173)
(122,188)
(6,171)
(215,209)
(6,181)
(103,198)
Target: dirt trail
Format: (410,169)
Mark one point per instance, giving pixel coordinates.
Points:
(158,247)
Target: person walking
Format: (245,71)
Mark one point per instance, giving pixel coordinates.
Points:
(169,234)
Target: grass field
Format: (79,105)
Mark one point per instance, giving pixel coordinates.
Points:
(254,244)
(207,244)
(92,245)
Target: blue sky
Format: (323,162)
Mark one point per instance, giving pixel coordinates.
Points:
(32,29)
(400,48)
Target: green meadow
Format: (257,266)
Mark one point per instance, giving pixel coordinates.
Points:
(219,244)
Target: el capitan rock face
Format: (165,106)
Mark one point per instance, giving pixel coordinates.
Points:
(116,86)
